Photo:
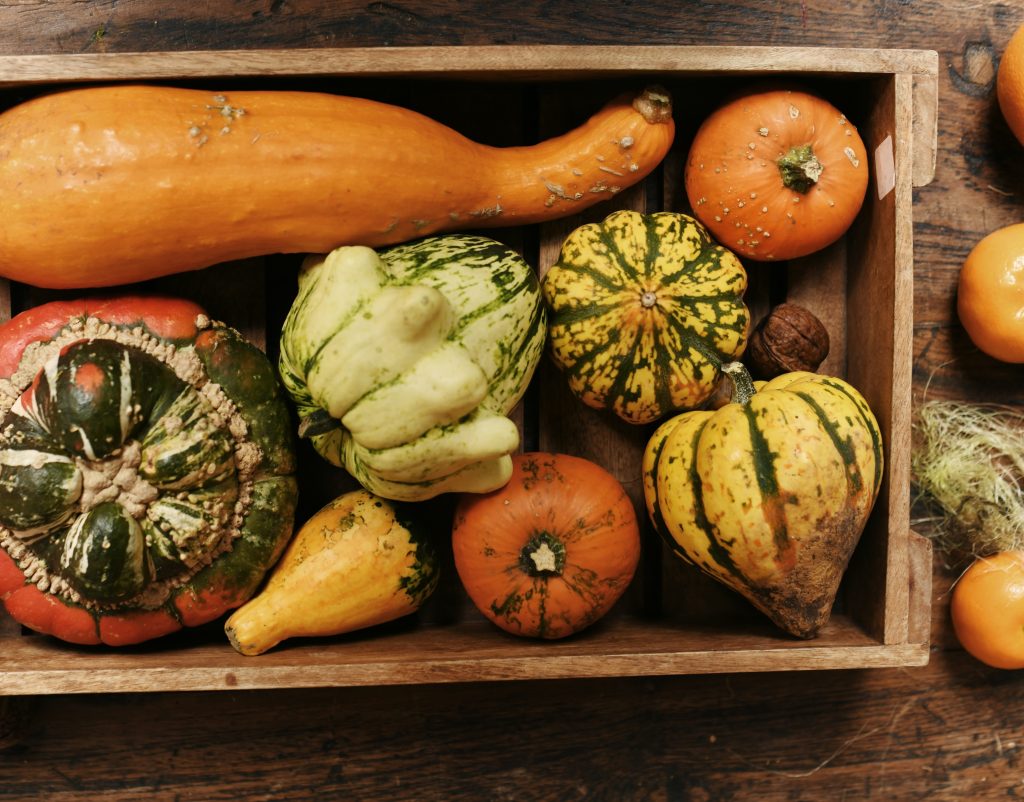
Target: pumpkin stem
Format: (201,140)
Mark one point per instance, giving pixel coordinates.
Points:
(543,555)
(800,168)
(742,385)
(654,104)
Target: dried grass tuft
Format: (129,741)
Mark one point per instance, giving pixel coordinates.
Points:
(967,466)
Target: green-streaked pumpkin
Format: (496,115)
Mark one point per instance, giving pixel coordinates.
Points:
(643,309)
(770,493)
(405,364)
(146,468)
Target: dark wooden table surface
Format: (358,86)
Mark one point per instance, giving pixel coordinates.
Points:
(953,730)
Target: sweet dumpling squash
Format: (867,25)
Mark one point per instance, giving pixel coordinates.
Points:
(643,310)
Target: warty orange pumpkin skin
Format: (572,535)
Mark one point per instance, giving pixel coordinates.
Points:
(551,552)
(116,184)
(776,174)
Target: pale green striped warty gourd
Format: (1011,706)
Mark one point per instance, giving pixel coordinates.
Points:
(405,364)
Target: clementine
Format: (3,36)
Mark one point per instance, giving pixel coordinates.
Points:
(990,297)
(988,609)
(1010,84)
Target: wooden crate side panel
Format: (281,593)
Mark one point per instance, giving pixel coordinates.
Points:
(926,124)
(898,575)
(880,309)
(400,655)
(920,618)
(472,62)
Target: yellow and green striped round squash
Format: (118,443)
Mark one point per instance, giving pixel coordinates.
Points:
(770,493)
(643,309)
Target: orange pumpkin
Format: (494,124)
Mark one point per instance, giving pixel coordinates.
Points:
(551,552)
(776,174)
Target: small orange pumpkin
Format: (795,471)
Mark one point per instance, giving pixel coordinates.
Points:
(549,553)
(776,174)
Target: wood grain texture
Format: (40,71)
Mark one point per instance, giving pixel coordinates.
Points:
(404,655)
(946,732)
(937,733)
(521,61)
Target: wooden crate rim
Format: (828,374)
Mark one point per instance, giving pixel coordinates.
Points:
(511,61)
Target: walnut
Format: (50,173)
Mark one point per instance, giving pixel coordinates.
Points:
(788,338)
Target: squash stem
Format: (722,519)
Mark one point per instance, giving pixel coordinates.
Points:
(800,168)
(742,385)
(543,555)
(655,104)
(317,422)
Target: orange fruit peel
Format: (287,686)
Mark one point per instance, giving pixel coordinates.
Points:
(988,610)
(990,296)
(1010,84)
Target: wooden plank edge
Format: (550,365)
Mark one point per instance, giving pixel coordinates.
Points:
(897,593)
(919,622)
(506,61)
(925,126)
(167,679)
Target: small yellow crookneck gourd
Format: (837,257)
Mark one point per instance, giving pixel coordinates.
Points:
(358,562)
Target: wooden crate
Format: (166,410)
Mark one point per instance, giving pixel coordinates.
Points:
(672,620)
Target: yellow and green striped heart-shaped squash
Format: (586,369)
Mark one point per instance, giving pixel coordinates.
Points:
(770,493)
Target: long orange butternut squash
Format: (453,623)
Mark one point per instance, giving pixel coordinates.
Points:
(116,184)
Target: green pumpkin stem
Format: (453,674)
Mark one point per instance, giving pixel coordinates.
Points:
(543,555)
(800,168)
(742,385)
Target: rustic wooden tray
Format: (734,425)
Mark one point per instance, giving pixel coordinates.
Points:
(672,621)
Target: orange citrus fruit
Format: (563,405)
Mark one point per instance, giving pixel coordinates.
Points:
(1010,84)
(990,297)
(988,609)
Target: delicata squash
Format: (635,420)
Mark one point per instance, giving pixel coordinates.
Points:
(117,184)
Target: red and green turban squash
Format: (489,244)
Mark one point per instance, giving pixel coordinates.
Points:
(146,469)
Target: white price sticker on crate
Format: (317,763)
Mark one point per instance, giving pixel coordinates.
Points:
(885,168)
